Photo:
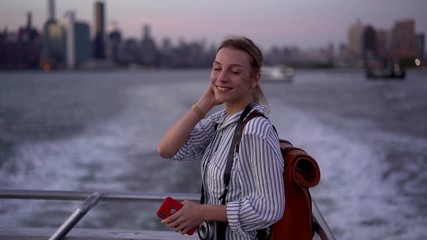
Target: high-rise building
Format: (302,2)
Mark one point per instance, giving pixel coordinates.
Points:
(69,21)
(166,53)
(29,20)
(20,50)
(355,46)
(77,41)
(404,39)
(53,54)
(82,42)
(99,41)
(148,48)
(114,43)
(51,9)
(130,51)
(370,49)
(420,45)
(384,40)
(355,39)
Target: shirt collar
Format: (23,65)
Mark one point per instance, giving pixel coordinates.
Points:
(224,121)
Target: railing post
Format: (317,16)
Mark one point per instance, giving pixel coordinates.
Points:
(324,231)
(85,207)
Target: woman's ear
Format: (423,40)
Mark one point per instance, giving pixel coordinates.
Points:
(257,78)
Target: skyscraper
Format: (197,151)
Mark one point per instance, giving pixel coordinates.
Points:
(83,46)
(355,38)
(114,42)
(77,41)
(29,20)
(53,41)
(148,48)
(370,43)
(404,39)
(69,21)
(99,41)
(420,45)
(51,10)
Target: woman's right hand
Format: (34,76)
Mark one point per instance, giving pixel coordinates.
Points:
(178,134)
(208,100)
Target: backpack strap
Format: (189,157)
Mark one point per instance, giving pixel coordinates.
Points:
(262,234)
(252,115)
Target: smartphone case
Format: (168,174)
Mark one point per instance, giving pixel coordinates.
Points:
(169,207)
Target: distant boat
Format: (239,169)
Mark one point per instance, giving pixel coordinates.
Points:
(393,72)
(277,73)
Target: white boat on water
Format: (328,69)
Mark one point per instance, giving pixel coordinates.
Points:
(277,73)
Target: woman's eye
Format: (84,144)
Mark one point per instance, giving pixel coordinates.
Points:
(217,69)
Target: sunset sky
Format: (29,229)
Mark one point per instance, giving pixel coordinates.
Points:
(303,23)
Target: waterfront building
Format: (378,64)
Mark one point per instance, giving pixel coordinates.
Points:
(20,50)
(355,39)
(130,53)
(420,39)
(149,53)
(78,46)
(53,54)
(369,49)
(51,10)
(404,40)
(114,43)
(384,41)
(166,53)
(99,40)
(68,24)
(82,42)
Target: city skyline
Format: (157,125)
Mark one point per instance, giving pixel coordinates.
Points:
(305,23)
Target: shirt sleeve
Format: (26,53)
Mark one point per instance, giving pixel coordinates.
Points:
(265,203)
(198,140)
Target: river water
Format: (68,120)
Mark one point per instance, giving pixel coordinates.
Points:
(98,131)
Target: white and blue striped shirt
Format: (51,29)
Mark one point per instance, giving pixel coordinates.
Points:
(255,199)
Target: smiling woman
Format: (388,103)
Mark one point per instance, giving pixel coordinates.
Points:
(252,200)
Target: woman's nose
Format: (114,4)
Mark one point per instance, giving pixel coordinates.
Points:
(223,75)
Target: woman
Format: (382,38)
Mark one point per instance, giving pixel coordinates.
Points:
(255,197)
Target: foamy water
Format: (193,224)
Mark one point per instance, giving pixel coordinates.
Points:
(370,176)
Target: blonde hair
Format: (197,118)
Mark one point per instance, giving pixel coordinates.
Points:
(256,58)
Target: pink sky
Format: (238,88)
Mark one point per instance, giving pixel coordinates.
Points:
(306,23)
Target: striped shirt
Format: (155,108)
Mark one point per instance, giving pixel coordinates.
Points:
(255,199)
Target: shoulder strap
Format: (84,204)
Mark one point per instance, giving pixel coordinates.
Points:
(230,157)
(262,234)
(252,115)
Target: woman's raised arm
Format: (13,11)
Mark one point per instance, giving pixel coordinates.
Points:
(177,134)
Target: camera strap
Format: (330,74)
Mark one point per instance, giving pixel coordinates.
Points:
(230,157)
(222,226)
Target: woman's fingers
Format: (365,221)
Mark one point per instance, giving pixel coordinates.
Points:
(185,219)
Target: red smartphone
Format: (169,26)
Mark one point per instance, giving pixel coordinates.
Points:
(169,207)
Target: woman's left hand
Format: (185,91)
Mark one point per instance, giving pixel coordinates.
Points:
(188,217)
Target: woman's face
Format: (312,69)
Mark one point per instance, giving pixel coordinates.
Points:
(232,79)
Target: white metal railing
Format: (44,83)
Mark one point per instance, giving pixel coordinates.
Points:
(90,199)
(82,195)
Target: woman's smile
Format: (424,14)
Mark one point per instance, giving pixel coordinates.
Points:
(222,88)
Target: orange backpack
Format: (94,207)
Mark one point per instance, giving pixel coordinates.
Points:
(301,173)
